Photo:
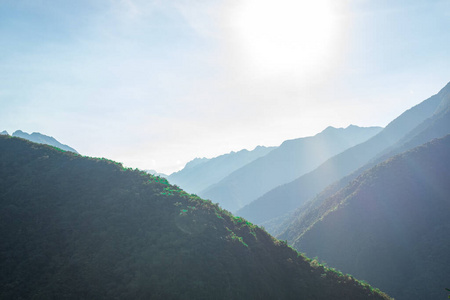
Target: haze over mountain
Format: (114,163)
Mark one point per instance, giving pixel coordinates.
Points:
(39,138)
(200,173)
(285,163)
(74,227)
(438,125)
(286,198)
(389,226)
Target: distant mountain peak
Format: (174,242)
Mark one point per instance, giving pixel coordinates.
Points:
(196,161)
(290,160)
(349,127)
(4,132)
(330,128)
(201,173)
(40,138)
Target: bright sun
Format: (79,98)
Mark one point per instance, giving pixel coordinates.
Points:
(285,35)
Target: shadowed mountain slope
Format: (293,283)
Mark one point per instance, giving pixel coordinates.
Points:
(200,173)
(390,225)
(39,138)
(286,198)
(285,163)
(81,228)
(436,126)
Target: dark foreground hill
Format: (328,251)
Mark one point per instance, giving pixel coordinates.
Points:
(83,228)
(390,226)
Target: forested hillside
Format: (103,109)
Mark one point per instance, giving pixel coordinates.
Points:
(389,226)
(74,227)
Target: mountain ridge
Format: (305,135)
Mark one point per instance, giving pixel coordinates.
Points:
(437,126)
(286,198)
(200,173)
(291,159)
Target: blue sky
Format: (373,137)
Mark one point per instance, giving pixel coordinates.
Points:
(154,84)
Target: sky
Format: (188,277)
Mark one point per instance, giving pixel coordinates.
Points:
(155,83)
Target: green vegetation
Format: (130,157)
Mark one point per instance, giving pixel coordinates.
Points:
(81,228)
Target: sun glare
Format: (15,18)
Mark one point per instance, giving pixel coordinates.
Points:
(285,35)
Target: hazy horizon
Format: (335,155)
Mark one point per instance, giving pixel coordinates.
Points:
(154,84)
